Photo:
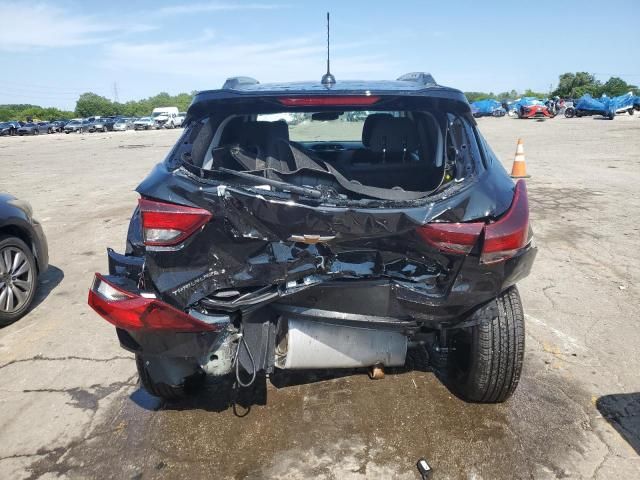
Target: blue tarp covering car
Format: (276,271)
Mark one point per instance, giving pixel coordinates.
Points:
(605,106)
(487,108)
(622,103)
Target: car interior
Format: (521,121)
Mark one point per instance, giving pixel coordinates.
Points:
(397,150)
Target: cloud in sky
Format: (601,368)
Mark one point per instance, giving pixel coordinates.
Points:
(192,8)
(208,62)
(23,27)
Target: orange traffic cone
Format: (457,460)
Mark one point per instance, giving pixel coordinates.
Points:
(519,169)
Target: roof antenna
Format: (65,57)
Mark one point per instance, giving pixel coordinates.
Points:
(328,79)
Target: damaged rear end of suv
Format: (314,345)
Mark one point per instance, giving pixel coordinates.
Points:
(304,226)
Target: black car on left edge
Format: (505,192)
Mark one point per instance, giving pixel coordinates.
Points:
(24,256)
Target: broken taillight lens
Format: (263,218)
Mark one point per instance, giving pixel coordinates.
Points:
(502,238)
(133,312)
(167,224)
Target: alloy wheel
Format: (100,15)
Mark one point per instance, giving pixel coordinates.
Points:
(16,279)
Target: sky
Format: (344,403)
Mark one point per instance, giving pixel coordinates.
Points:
(51,51)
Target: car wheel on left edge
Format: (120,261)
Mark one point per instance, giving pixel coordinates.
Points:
(18,279)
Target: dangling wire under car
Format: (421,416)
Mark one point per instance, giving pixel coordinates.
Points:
(236,362)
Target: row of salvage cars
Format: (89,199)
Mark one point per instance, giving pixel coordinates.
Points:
(530,107)
(79,125)
(526,107)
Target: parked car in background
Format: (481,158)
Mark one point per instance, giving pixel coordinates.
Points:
(78,126)
(258,245)
(46,127)
(97,125)
(31,129)
(529,107)
(487,108)
(144,123)
(165,117)
(58,125)
(181,117)
(122,124)
(24,256)
(9,128)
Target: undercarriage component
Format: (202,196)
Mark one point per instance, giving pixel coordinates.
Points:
(310,344)
(376,372)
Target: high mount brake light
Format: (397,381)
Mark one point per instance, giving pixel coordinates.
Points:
(329,101)
(502,238)
(132,312)
(168,224)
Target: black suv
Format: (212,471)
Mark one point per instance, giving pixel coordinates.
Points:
(324,225)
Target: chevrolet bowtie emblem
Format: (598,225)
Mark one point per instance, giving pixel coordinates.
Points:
(311,239)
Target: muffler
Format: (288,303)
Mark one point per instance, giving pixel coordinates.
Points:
(306,344)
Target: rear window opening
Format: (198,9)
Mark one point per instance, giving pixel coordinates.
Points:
(386,155)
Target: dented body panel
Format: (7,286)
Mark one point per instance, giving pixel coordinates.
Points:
(246,247)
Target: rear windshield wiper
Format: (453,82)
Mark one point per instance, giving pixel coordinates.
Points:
(253,177)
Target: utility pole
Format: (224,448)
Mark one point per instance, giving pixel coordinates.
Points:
(115,92)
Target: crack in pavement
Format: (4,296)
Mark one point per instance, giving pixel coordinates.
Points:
(41,358)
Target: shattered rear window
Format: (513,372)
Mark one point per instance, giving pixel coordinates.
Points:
(351,154)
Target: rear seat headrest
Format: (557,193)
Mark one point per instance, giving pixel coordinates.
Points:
(369,122)
(393,134)
(263,133)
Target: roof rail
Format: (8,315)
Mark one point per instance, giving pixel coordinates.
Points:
(235,83)
(422,78)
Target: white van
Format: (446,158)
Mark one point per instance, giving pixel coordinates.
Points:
(166,117)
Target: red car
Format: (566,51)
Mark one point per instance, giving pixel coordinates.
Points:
(534,111)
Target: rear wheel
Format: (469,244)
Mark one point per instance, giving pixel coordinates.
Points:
(18,279)
(630,111)
(569,112)
(188,385)
(486,359)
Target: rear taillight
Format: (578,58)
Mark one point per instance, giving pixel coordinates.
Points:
(451,237)
(502,238)
(168,224)
(329,101)
(133,312)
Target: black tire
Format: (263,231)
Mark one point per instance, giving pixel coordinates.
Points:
(486,360)
(611,115)
(7,318)
(630,111)
(168,392)
(569,112)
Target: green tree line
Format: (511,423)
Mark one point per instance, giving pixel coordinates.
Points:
(570,85)
(90,104)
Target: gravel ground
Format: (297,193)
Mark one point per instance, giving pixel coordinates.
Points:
(70,405)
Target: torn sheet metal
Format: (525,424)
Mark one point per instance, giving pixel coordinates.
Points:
(249,249)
